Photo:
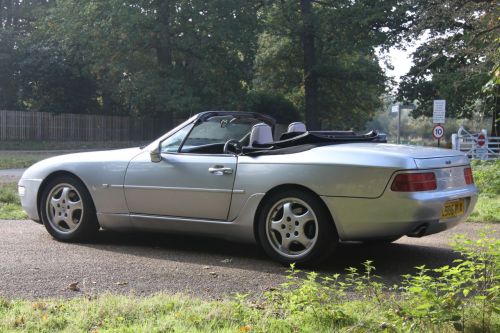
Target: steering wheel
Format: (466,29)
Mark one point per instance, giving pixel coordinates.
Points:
(232,146)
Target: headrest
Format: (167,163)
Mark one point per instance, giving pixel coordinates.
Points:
(261,134)
(297,127)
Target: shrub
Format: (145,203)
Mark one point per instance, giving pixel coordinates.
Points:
(487,176)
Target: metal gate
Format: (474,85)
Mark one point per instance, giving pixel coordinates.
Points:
(476,145)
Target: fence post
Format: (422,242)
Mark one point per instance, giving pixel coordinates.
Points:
(3,125)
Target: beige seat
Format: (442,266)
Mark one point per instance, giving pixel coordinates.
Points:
(294,129)
(297,127)
(261,135)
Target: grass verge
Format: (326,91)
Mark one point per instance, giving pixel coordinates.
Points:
(10,205)
(464,297)
(19,160)
(487,209)
(487,179)
(67,145)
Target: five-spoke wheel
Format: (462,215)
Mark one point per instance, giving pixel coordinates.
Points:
(294,226)
(64,207)
(291,227)
(67,210)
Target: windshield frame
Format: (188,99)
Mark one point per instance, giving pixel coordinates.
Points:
(204,116)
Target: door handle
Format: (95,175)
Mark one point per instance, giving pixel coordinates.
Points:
(220,170)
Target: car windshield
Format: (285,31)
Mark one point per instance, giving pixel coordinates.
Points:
(218,130)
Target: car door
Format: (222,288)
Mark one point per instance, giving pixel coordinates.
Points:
(183,185)
(194,178)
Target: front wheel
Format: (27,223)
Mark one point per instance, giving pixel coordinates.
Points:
(294,226)
(67,210)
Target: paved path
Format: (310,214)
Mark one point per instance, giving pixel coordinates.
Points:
(33,265)
(10,175)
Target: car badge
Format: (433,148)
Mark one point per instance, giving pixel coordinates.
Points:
(447,162)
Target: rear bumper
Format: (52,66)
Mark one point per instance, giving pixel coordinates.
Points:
(29,199)
(397,214)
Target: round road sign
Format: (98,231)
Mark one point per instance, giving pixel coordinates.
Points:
(438,131)
(481,139)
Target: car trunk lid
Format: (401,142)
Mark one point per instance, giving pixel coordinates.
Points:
(441,162)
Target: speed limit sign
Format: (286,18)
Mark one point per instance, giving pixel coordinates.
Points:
(438,131)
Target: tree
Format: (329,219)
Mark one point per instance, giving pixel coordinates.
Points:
(13,26)
(156,57)
(459,59)
(321,55)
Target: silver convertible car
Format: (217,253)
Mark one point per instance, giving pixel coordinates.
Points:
(221,173)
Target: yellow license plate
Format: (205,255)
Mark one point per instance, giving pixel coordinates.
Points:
(453,209)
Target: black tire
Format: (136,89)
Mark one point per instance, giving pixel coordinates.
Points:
(288,228)
(75,205)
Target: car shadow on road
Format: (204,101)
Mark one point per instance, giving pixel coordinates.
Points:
(391,260)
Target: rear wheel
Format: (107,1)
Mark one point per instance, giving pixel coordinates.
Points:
(294,226)
(67,210)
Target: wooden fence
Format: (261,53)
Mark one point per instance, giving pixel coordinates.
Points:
(27,125)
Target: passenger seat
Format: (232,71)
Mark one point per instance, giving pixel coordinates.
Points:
(294,129)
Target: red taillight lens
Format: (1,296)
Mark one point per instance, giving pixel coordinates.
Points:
(414,182)
(469,179)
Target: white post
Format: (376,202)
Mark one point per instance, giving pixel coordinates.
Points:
(455,142)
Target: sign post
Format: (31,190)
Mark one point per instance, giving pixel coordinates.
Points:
(396,109)
(438,132)
(399,109)
(438,117)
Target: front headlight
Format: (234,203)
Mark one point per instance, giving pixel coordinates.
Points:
(21,190)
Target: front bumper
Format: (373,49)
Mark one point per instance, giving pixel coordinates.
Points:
(30,197)
(397,214)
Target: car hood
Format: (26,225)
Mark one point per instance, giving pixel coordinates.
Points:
(71,161)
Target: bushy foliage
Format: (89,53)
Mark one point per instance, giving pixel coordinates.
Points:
(487,176)
(463,296)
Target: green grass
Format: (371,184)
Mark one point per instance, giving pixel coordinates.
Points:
(487,209)
(487,180)
(487,176)
(163,313)
(10,206)
(23,154)
(17,160)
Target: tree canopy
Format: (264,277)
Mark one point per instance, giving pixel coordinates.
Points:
(459,60)
(314,59)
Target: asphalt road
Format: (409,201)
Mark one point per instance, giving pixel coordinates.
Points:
(33,265)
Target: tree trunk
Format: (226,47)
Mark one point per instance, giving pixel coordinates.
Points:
(495,124)
(310,75)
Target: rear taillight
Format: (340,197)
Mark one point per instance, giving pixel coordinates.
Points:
(414,182)
(469,179)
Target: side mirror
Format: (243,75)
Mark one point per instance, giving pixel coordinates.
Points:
(155,155)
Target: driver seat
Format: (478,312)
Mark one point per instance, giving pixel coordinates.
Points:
(261,136)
